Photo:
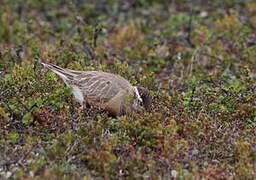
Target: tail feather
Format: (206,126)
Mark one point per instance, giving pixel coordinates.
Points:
(65,74)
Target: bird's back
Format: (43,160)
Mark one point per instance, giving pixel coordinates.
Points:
(100,87)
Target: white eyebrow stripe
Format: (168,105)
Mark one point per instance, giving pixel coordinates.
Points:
(137,93)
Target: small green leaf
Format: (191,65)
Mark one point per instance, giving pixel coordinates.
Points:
(27,118)
(14,136)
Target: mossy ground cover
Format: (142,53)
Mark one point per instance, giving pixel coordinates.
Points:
(197,58)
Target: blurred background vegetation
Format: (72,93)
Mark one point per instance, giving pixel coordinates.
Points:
(197,57)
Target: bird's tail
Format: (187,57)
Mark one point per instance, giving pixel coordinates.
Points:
(65,74)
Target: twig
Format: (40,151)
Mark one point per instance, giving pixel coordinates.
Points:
(97,31)
(211,56)
(89,50)
(188,38)
(192,96)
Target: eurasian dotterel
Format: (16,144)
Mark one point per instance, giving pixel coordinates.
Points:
(107,91)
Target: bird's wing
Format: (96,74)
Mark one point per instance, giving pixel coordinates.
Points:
(98,87)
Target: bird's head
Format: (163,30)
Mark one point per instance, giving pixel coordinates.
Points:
(145,97)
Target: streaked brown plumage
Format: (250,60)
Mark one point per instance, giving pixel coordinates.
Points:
(104,90)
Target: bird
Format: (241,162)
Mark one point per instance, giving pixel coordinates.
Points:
(104,90)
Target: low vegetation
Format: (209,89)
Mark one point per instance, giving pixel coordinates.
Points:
(197,58)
